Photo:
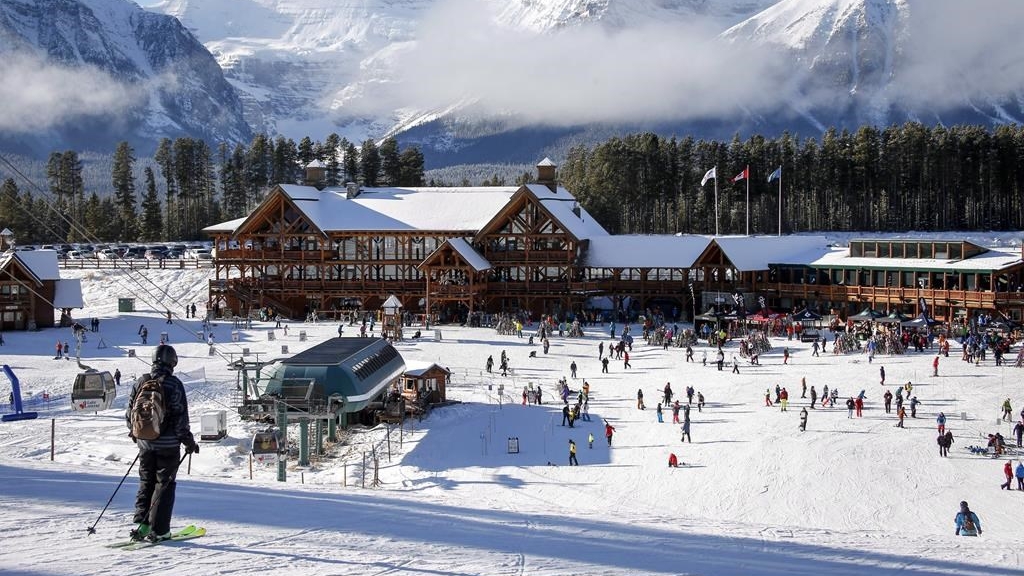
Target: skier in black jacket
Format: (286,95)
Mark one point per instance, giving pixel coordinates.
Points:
(159,458)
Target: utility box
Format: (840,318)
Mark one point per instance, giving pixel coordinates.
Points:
(213,426)
(126,304)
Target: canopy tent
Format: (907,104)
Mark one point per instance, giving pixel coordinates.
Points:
(919,322)
(806,315)
(894,317)
(867,315)
(711,315)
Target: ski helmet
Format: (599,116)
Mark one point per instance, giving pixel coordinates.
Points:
(165,355)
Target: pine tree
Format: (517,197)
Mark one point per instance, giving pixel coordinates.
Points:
(330,154)
(390,162)
(350,161)
(369,163)
(123,182)
(411,172)
(151,225)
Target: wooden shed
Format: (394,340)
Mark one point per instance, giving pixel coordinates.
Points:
(425,383)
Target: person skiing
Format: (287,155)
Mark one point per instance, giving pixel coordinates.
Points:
(784,400)
(572,369)
(565,414)
(704,358)
(490,363)
(159,458)
(967,522)
(572,454)
(785,355)
(768,397)
(1018,431)
(689,353)
(675,412)
(625,360)
(1019,473)
(814,397)
(803,419)
(600,350)
(689,394)
(803,387)
(1007,408)
(940,420)
(640,399)
(824,395)
(668,392)
(700,403)
(720,359)
(686,432)
(881,373)
(901,413)
(673,462)
(816,348)
(935,366)
(887,397)
(609,430)
(735,365)
(850,405)
(117,377)
(604,365)
(658,412)
(913,406)
(858,404)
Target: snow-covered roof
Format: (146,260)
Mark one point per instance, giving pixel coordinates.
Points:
(400,208)
(68,294)
(992,260)
(561,203)
(421,368)
(637,251)
(546,162)
(749,253)
(41,263)
(228,226)
(469,254)
(392,302)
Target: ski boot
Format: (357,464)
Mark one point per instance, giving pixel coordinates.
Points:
(140,532)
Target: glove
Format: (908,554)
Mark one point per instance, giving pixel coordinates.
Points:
(191,447)
(133,438)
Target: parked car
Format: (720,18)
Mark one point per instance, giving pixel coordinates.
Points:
(155,254)
(108,254)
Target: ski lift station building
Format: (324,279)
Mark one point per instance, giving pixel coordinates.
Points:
(339,377)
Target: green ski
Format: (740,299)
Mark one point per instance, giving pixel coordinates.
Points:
(186,533)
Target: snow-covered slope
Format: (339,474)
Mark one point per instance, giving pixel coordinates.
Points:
(849,496)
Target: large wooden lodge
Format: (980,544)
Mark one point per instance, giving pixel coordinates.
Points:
(534,248)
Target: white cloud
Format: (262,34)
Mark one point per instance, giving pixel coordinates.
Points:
(655,72)
(38,95)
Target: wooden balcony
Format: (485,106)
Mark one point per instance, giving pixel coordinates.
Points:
(898,296)
(532,257)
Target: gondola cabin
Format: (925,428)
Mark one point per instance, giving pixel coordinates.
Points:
(93,391)
(265,447)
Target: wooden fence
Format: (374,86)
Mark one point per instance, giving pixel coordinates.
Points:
(136,263)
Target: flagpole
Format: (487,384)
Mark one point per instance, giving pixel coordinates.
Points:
(780,202)
(747,172)
(716,200)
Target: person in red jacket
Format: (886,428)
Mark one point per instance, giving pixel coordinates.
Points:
(859,405)
(935,366)
(1008,472)
(608,431)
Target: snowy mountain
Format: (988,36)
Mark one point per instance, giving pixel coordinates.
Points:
(508,80)
(90,73)
(515,80)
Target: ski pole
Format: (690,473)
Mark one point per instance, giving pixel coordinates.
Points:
(92,529)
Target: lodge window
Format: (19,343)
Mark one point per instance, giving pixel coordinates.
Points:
(908,280)
(837,276)
(879,278)
(883,250)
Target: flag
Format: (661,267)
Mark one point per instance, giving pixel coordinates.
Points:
(708,176)
(775,175)
(742,175)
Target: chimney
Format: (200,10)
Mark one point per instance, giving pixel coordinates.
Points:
(546,174)
(316,175)
(576,210)
(351,190)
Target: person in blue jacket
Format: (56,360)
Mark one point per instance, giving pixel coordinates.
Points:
(967,522)
(1020,475)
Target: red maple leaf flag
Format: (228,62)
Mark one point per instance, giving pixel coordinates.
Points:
(742,175)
